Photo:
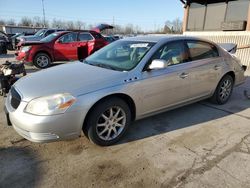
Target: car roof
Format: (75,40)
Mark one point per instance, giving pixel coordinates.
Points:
(69,31)
(163,38)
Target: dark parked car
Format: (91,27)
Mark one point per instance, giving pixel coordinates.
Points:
(61,46)
(4,43)
(38,35)
(15,39)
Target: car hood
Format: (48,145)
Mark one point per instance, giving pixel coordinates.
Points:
(75,78)
(32,38)
(31,43)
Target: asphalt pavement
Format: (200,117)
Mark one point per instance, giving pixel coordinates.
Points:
(200,145)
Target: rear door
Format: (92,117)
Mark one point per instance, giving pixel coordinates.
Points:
(65,48)
(86,44)
(99,41)
(206,67)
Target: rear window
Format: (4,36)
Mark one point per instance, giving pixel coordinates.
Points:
(97,35)
(201,50)
(85,37)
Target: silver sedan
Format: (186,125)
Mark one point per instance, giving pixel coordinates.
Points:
(125,81)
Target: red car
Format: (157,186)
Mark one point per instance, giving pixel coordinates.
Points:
(61,46)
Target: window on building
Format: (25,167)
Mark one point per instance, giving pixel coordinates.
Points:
(237,10)
(196,17)
(210,17)
(215,16)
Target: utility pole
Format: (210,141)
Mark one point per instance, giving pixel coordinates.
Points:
(43,15)
(113,24)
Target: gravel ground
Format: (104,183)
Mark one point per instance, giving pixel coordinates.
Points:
(200,145)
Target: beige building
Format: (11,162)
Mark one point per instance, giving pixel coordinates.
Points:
(220,21)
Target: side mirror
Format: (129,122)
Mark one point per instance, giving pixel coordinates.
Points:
(158,64)
(58,41)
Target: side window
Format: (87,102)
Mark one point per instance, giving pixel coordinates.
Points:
(49,32)
(85,37)
(67,38)
(173,53)
(201,50)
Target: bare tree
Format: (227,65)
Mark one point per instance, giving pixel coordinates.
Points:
(25,21)
(37,22)
(79,25)
(2,22)
(129,29)
(10,22)
(70,25)
(174,26)
(177,25)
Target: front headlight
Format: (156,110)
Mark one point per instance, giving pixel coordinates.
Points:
(50,105)
(25,48)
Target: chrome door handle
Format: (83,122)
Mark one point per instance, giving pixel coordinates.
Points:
(183,75)
(217,67)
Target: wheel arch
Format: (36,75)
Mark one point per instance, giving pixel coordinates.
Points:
(43,51)
(230,73)
(130,102)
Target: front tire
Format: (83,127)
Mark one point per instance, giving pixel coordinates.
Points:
(108,122)
(42,60)
(223,91)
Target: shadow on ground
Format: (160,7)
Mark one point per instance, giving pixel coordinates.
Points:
(19,167)
(191,115)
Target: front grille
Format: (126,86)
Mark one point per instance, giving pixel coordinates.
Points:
(15,98)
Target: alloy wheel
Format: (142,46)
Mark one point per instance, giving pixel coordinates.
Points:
(42,61)
(225,90)
(111,123)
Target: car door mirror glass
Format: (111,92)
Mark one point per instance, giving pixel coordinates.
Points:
(158,64)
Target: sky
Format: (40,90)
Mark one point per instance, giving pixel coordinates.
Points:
(147,14)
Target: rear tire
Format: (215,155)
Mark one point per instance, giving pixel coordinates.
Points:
(223,91)
(108,122)
(42,60)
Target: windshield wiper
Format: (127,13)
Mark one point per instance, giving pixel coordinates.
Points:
(102,65)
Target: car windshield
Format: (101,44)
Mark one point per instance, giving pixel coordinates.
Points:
(120,55)
(40,32)
(49,37)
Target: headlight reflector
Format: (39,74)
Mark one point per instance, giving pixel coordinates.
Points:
(50,105)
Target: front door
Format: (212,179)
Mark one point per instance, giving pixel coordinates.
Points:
(65,48)
(169,86)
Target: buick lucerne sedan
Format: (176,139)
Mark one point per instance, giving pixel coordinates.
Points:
(125,81)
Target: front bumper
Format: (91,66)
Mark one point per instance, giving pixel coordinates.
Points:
(45,128)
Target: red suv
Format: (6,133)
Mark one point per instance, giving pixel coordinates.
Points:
(61,46)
